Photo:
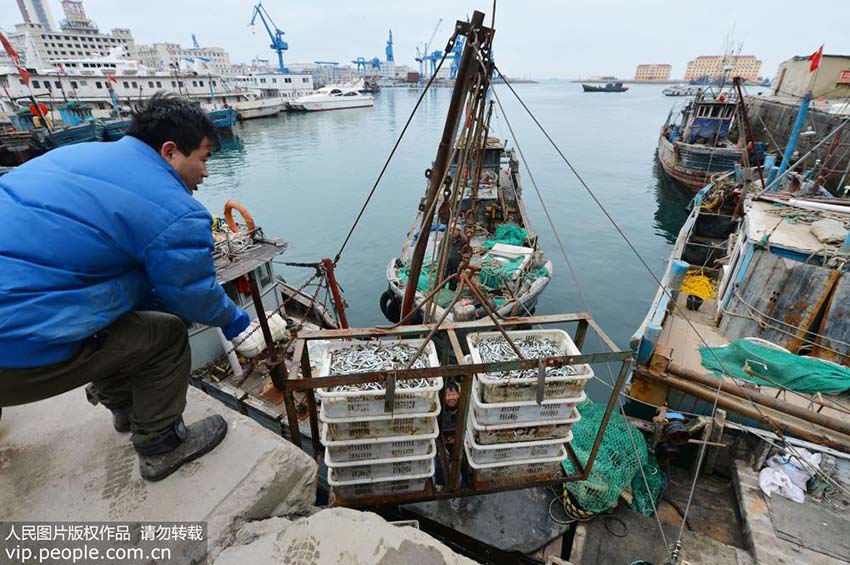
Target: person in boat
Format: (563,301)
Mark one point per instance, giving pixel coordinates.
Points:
(456,246)
(451,404)
(95,237)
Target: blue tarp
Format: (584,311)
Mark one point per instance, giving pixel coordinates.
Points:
(707,129)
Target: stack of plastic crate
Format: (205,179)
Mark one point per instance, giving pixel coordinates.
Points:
(371,452)
(509,434)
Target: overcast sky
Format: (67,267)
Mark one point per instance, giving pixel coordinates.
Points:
(535,38)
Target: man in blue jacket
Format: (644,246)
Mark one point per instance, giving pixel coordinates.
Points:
(90,232)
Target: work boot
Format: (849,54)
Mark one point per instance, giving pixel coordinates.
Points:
(179,445)
(121,420)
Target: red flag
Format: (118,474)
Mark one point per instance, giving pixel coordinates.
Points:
(815,59)
(16,59)
(112,78)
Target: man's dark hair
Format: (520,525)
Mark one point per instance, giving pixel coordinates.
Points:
(168,117)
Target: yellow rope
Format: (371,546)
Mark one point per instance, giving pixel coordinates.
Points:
(698,284)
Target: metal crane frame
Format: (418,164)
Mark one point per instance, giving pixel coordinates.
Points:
(276,36)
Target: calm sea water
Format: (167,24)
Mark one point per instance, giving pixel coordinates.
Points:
(304,177)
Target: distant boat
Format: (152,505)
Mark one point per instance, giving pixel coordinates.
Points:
(258,107)
(609,87)
(681,91)
(332,98)
(223,119)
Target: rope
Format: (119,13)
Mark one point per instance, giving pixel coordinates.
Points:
(392,152)
(579,287)
(697,283)
(640,258)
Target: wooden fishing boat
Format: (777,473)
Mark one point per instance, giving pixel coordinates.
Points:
(497,231)
(114,130)
(247,381)
(753,271)
(696,146)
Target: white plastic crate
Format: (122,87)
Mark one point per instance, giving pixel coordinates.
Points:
(519,451)
(387,425)
(371,402)
(375,487)
(532,468)
(497,389)
(382,468)
(512,433)
(378,448)
(522,412)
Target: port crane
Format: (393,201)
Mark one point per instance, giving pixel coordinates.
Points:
(276,36)
(362,63)
(389,48)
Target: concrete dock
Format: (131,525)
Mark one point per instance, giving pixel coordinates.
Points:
(61,460)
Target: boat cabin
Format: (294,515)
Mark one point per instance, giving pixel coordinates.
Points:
(74,113)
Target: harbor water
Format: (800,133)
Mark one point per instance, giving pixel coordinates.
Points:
(304,178)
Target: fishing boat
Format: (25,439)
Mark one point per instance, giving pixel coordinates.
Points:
(251,106)
(756,290)
(496,233)
(17,147)
(223,119)
(114,129)
(681,91)
(608,87)
(332,98)
(696,146)
(244,374)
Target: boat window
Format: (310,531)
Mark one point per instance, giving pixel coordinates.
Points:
(335,92)
(35,84)
(264,275)
(158,84)
(135,84)
(350,94)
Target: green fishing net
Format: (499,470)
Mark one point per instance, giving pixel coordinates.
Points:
(616,467)
(769,366)
(508,234)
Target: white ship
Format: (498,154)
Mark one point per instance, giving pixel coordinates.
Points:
(333,97)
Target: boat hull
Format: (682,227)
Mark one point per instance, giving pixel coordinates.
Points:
(253,111)
(223,119)
(591,88)
(693,165)
(324,106)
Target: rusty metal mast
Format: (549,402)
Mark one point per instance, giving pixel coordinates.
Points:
(478,39)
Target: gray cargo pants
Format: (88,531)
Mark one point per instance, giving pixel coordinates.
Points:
(141,360)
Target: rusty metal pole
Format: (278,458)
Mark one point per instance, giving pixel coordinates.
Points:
(277,368)
(468,65)
(749,126)
(339,303)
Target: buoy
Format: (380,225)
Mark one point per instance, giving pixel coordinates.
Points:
(231,205)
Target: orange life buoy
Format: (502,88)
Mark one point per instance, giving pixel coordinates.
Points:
(229,206)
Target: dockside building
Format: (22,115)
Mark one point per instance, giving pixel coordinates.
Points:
(653,72)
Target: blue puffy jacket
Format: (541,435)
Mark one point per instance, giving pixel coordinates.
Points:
(86,233)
